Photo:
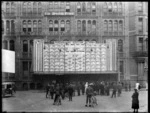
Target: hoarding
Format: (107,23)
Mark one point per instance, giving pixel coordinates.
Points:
(8,61)
(74,56)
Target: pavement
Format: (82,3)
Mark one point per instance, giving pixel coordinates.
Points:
(35,101)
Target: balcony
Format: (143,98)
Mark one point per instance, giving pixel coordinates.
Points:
(121,55)
(140,54)
(26,55)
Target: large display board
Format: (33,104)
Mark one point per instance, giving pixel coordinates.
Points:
(8,61)
(74,56)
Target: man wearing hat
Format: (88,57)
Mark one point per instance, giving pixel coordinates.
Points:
(89,92)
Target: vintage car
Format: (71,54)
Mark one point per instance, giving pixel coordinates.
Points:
(7,88)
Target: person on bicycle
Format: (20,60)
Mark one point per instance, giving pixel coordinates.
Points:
(57,94)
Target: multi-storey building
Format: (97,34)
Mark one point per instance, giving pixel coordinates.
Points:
(22,22)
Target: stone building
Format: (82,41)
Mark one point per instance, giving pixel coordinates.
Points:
(22,22)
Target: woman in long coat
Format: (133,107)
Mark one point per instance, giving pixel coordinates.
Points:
(135,101)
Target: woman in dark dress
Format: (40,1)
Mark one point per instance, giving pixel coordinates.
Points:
(135,101)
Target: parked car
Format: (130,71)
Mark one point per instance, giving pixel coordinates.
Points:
(7,88)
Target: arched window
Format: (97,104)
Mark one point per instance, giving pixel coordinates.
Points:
(24,8)
(12,26)
(78,7)
(62,26)
(5,44)
(89,7)
(110,26)
(12,45)
(105,26)
(8,26)
(94,26)
(68,26)
(105,7)
(110,7)
(50,26)
(25,46)
(89,27)
(31,46)
(39,26)
(39,8)
(83,26)
(13,8)
(29,25)
(35,26)
(79,26)
(93,7)
(120,45)
(67,7)
(56,26)
(34,8)
(120,7)
(115,7)
(29,8)
(120,26)
(7,7)
(83,7)
(115,26)
(24,26)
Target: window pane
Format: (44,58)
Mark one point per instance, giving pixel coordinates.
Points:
(84,26)
(25,66)
(25,46)
(12,45)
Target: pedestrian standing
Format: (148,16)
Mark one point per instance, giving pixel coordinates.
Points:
(78,88)
(114,91)
(47,89)
(70,92)
(89,93)
(83,89)
(52,90)
(135,101)
(86,86)
(129,87)
(119,89)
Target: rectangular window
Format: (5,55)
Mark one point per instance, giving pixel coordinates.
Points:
(140,7)
(67,10)
(121,67)
(25,66)
(55,29)
(140,44)
(140,25)
(79,10)
(29,29)
(62,29)
(24,30)
(51,29)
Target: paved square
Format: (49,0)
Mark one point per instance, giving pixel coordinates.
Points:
(36,101)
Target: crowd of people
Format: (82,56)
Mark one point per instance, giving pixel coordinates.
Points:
(62,91)
(98,88)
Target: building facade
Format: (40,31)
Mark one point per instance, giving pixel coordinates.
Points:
(22,22)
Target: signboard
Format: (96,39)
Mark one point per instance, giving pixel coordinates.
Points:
(59,13)
(74,56)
